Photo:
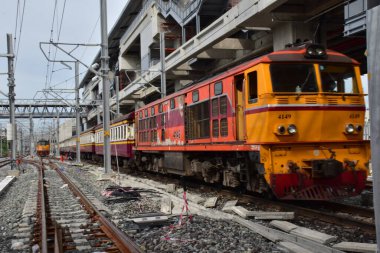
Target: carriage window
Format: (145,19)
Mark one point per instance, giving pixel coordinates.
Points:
(218,88)
(160,108)
(152,111)
(146,112)
(223,105)
(224,127)
(215,128)
(195,96)
(198,121)
(293,78)
(215,107)
(252,82)
(172,103)
(338,79)
(140,115)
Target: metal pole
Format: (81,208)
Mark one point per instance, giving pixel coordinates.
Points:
(117,85)
(162,57)
(31,134)
(21,143)
(58,134)
(11,85)
(77,113)
(1,142)
(106,90)
(373,50)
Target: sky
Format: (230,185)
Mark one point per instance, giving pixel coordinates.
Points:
(80,24)
(80,21)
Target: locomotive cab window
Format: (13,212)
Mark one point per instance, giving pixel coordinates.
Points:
(218,88)
(293,78)
(195,96)
(252,84)
(341,79)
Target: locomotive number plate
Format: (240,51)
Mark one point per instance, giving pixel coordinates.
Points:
(285,116)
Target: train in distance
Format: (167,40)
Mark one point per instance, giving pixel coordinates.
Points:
(43,148)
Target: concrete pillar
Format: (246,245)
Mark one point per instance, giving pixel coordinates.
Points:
(287,32)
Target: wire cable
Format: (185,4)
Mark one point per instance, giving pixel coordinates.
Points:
(58,37)
(19,36)
(92,34)
(51,39)
(17,12)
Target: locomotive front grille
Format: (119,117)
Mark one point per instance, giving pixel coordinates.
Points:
(282,101)
(332,101)
(310,101)
(355,101)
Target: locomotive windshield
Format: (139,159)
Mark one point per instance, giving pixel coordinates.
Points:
(293,78)
(43,142)
(338,78)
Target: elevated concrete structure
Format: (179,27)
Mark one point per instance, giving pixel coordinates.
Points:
(204,37)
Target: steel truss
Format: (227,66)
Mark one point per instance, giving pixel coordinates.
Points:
(45,108)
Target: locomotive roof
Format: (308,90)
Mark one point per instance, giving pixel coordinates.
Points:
(293,55)
(129,116)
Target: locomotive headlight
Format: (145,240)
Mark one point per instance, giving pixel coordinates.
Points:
(281,129)
(315,51)
(359,128)
(292,129)
(350,129)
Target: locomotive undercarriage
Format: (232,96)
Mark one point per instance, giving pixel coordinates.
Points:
(232,169)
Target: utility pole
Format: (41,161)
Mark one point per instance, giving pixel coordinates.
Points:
(11,85)
(162,56)
(106,86)
(373,52)
(31,151)
(59,153)
(77,108)
(117,86)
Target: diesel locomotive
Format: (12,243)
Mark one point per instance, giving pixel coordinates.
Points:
(289,123)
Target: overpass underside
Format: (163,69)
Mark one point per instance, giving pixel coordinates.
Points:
(202,38)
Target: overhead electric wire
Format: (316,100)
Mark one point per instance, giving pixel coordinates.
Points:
(19,36)
(58,36)
(51,39)
(17,12)
(92,34)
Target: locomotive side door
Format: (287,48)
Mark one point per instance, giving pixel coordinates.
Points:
(239,106)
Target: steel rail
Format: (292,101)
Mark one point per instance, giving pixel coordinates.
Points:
(41,190)
(4,162)
(121,240)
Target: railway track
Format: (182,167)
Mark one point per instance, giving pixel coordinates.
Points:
(4,162)
(67,221)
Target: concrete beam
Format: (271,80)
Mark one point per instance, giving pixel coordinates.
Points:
(235,44)
(217,54)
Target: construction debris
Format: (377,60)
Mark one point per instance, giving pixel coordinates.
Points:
(229,204)
(356,247)
(303,232)
(211,202)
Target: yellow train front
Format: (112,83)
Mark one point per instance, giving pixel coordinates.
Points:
(307,121)
(43,148)
(288,123)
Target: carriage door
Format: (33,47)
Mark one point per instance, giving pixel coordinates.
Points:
(239,106)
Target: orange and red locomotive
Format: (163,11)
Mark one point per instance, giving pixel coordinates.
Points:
(289,122)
